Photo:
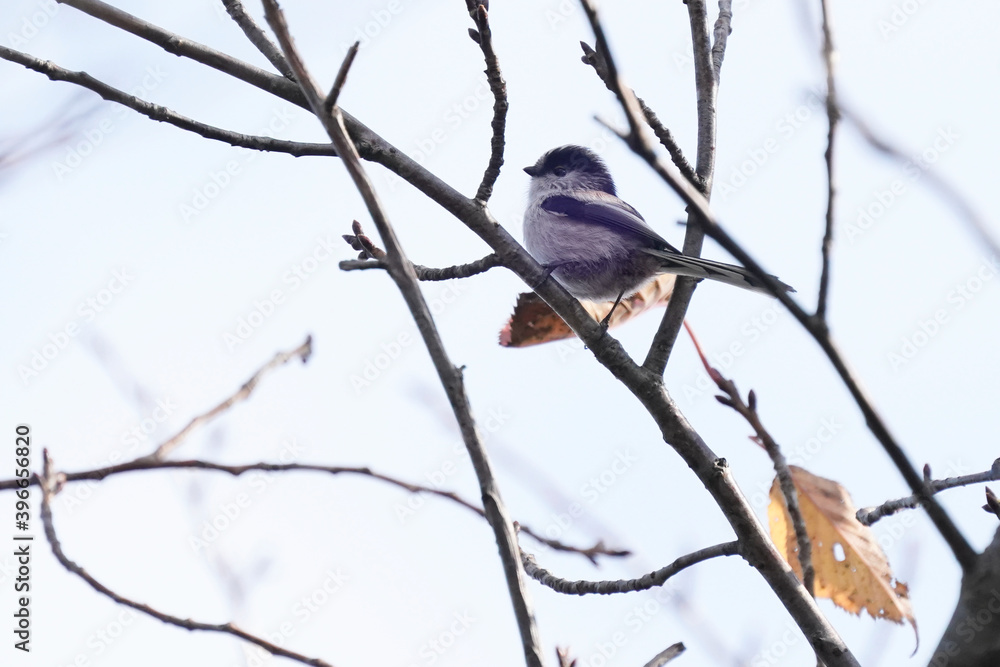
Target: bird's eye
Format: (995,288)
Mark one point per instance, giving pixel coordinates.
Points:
(559,171)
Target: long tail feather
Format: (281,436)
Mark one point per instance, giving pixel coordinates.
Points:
(697,267)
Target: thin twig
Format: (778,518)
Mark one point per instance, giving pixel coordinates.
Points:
(707,88)
(707,70)
(483,35)
(651,580)
(49,484)
(723,28)
(636,137)
(833,118)
(370,256)
(666,655)
(258,37)
(980,227)
(401,271)
(338,83)
(145,464)
(280,359)
(663,134)
(960,547)
(163,114)
(179,46)
(869,515)
(748,410)
(427,273)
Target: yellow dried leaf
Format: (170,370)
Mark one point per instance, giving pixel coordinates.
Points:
(851,569)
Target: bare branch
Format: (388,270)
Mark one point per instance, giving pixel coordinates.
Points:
(665,137)
(483,35)
(707,69)
(427,273)
(369,145)
(163,114)
(833,118)
(338,83)
(49,484)
(748,411)
(959,546)
(636,135)
(401,271)
(258,37)
(179,46)
(869,515)
(651,580)
(723,28)
(369,251)
(666,655)
(302,352)
(144,464)
(707,88)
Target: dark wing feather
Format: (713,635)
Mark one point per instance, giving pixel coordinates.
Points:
(603,209)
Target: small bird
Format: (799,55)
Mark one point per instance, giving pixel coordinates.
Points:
(597,246)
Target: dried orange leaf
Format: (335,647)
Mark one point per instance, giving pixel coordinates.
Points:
(533,322)
(851,568)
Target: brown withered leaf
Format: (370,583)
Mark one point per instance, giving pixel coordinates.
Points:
(533,322)
(861,579)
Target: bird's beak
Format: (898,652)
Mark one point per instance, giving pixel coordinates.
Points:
(531,171)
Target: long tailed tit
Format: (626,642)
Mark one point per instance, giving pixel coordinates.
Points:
(597,246)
